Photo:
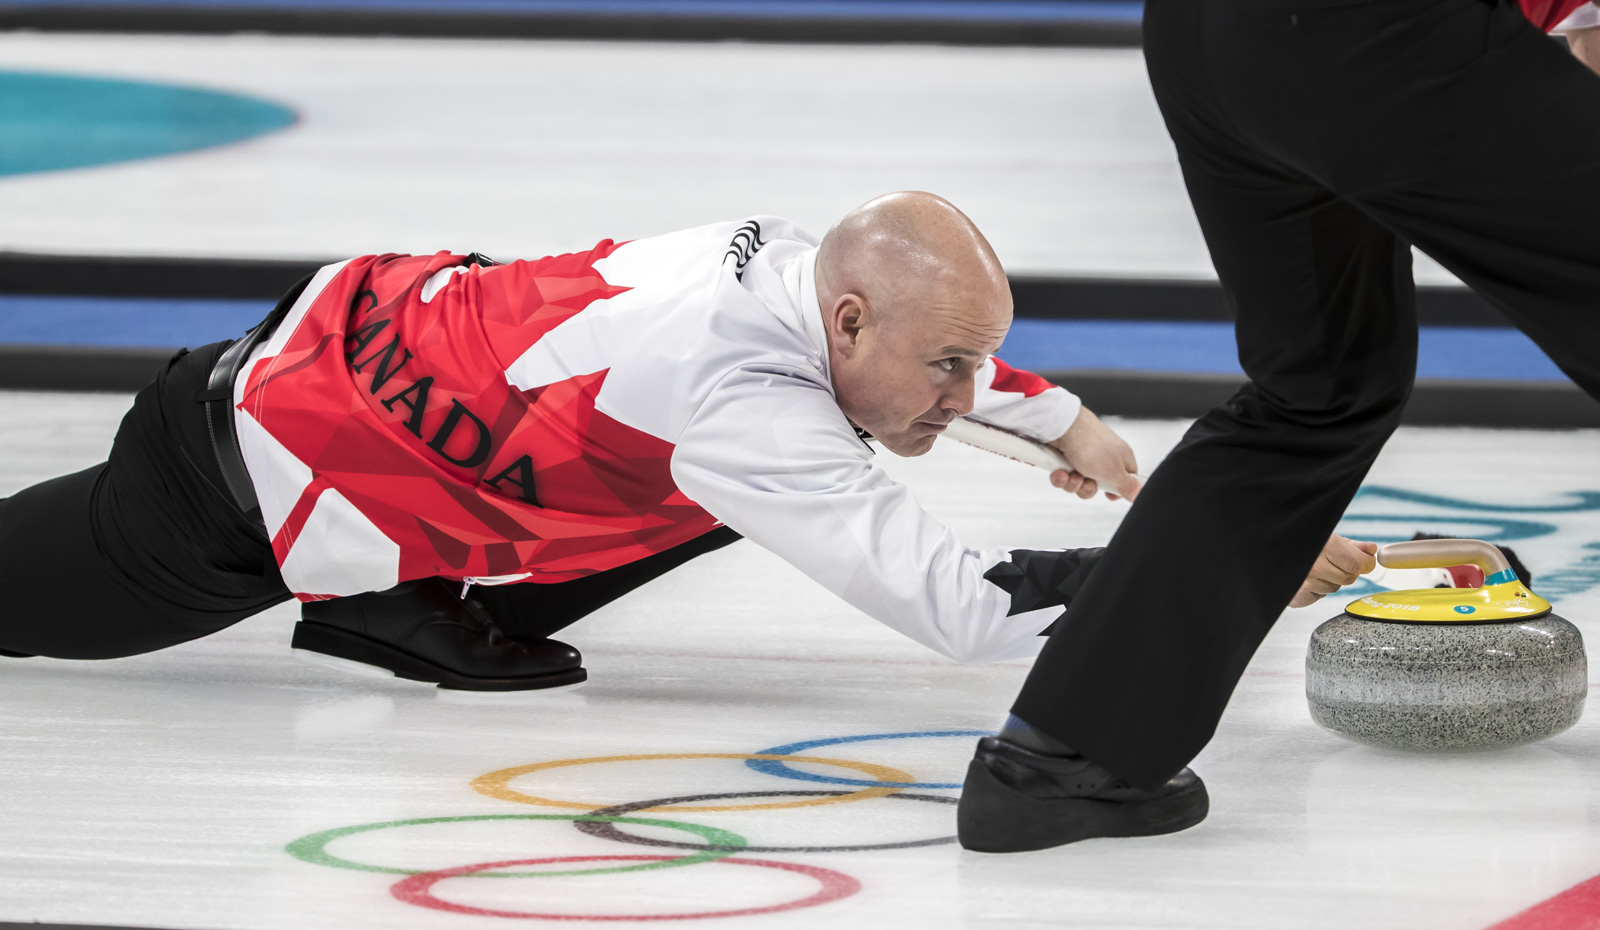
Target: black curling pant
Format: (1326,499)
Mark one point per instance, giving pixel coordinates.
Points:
(535,611)
(146,550)
(1318,139)
(140,552)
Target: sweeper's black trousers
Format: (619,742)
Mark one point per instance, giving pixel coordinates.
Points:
(146,551)
(1318,138)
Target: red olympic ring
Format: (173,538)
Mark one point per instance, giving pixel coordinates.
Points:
(418,889)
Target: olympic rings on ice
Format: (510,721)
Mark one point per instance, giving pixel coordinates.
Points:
(313,848)
(497,784)
(418,890)
(607,822)
(603,824)
(781,769)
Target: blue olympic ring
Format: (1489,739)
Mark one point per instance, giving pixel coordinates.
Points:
(782,770)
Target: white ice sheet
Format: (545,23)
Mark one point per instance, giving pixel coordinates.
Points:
(520,148)
(161,790)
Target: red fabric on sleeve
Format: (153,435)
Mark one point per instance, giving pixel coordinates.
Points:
(1016,381)
(1548,14)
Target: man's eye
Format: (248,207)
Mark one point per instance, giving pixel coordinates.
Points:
(948,364)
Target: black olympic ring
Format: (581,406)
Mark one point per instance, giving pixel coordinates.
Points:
(607,830)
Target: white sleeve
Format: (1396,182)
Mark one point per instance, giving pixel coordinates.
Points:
(771,455)
(1584,17)
(1022,402)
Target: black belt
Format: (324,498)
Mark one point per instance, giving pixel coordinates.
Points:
(218,401)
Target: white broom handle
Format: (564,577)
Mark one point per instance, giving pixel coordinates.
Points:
(1008,444)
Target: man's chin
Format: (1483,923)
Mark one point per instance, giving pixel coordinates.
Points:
(910,446)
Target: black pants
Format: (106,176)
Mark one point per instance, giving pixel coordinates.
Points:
(1317,139)
(138,553)
(534,611)
(146,550)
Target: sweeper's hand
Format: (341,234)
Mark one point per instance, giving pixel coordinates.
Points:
(1100,460)
(1342,562)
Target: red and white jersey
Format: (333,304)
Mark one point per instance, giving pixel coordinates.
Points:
(540,421)
(1586,16)
(1553,15)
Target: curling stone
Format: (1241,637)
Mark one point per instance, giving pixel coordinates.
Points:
(1446,669)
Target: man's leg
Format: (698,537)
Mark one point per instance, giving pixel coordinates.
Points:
(535,611)
(489,638)
(59,597)
(1451,123)
(1512,211)
(1464,130)
(139,553)
(1136,676)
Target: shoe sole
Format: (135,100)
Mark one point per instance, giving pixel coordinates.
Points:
(993,817)
(544,698)
(453,695)
(352,652)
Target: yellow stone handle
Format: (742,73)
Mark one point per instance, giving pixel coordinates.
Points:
(1443,553)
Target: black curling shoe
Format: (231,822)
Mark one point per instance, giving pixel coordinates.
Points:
(1017,800)
(424,631)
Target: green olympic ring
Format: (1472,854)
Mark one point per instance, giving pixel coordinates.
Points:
(313,848)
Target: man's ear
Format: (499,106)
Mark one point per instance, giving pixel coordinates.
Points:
(845,323)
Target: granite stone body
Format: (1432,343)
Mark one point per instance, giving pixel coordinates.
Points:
(1446,686)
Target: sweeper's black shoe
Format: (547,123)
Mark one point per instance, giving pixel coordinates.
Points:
(424,631)
(1017,800)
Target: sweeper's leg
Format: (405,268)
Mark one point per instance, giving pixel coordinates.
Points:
(1511,202)
(1299,130)
(1314,145)
(1137,675)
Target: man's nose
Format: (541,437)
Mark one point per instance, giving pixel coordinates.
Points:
(959,399)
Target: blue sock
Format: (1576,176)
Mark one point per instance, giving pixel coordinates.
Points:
(1024,734)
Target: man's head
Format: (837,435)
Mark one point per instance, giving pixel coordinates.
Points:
(913,300)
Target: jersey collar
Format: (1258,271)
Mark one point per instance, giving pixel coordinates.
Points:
(800,281)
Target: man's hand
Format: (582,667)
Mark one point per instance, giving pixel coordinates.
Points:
(1099,458)
(1342,562)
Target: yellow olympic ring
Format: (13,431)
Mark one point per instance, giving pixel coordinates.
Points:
(497,784)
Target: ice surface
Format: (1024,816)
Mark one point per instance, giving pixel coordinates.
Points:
(524,148)
(162,790)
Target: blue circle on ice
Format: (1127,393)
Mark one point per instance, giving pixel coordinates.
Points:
(1465,609)
(49,122)
(783,770)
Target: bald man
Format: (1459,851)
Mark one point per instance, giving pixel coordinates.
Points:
(447,460)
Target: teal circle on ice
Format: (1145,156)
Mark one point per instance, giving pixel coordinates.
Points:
(49,122)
